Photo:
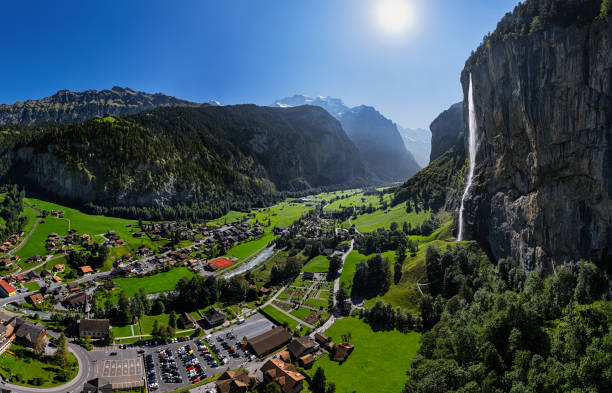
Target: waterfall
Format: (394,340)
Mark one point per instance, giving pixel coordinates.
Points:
(472,151)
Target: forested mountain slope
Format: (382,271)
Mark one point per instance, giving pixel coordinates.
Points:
(67,106)
(233,156)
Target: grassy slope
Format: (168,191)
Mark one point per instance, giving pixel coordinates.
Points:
(246,249)
(377,364)
(36,243)
(28,367)
(281,215)
(318,264)
(380,219)
(228,218)
(152,284)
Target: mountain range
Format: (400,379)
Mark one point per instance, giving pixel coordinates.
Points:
(378,139)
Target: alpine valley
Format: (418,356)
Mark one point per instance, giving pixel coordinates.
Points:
(152,243)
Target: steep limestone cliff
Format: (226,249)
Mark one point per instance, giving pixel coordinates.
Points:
(543,102)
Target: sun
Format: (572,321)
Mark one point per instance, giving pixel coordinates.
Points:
(394,17)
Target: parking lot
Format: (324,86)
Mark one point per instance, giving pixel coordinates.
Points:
(182,363)
(123,368)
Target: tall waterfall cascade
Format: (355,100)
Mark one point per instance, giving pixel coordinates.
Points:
(472,130)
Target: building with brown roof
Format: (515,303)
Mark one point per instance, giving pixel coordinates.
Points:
(188,321)
(289,379)
(26,333)
(214,317)
(233,382)
(301,346)
(285,355)
(94,328)
(85,270)
(36,298)
(306,361)
(78,301)
(343,350)
(270,341)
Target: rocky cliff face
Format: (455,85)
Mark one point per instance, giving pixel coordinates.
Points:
(543,101)
(66,106)
(445,130)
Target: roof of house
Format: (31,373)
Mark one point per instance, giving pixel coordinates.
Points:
(86,269)
(231,381)
(8,288)
(283,373)
(321,338)
(343,350)
(214,316)
(94,325)
(98,385)
(269,341)
(77,300)
(36,298)
(27,331)
(307,360)
(300,345)
(284,355)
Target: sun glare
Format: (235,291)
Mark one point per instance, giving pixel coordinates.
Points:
(394,17)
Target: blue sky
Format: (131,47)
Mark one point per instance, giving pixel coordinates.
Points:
(246,51)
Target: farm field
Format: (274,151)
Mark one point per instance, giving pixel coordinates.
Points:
(356,201)
(281,215)
(246,249)
(318,264)
(160,282)
(36,243)
(22,368)
(380,219)
(228,218)
(378,362)
(280,318)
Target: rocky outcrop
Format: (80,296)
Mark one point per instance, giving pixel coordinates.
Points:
(67,106)
(543,102)
(445,130)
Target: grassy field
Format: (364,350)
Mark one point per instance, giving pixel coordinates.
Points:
(32,216)
(246,249)
(381,219)
(147,321)
(317,303)
(276,316)
(228,218)
(124,331)
(281,215)
(301,313)
(348,271)
(357,200)
(318,264)
(25,368)
(32,286)
(160,282)
(377,364)
(36,243)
